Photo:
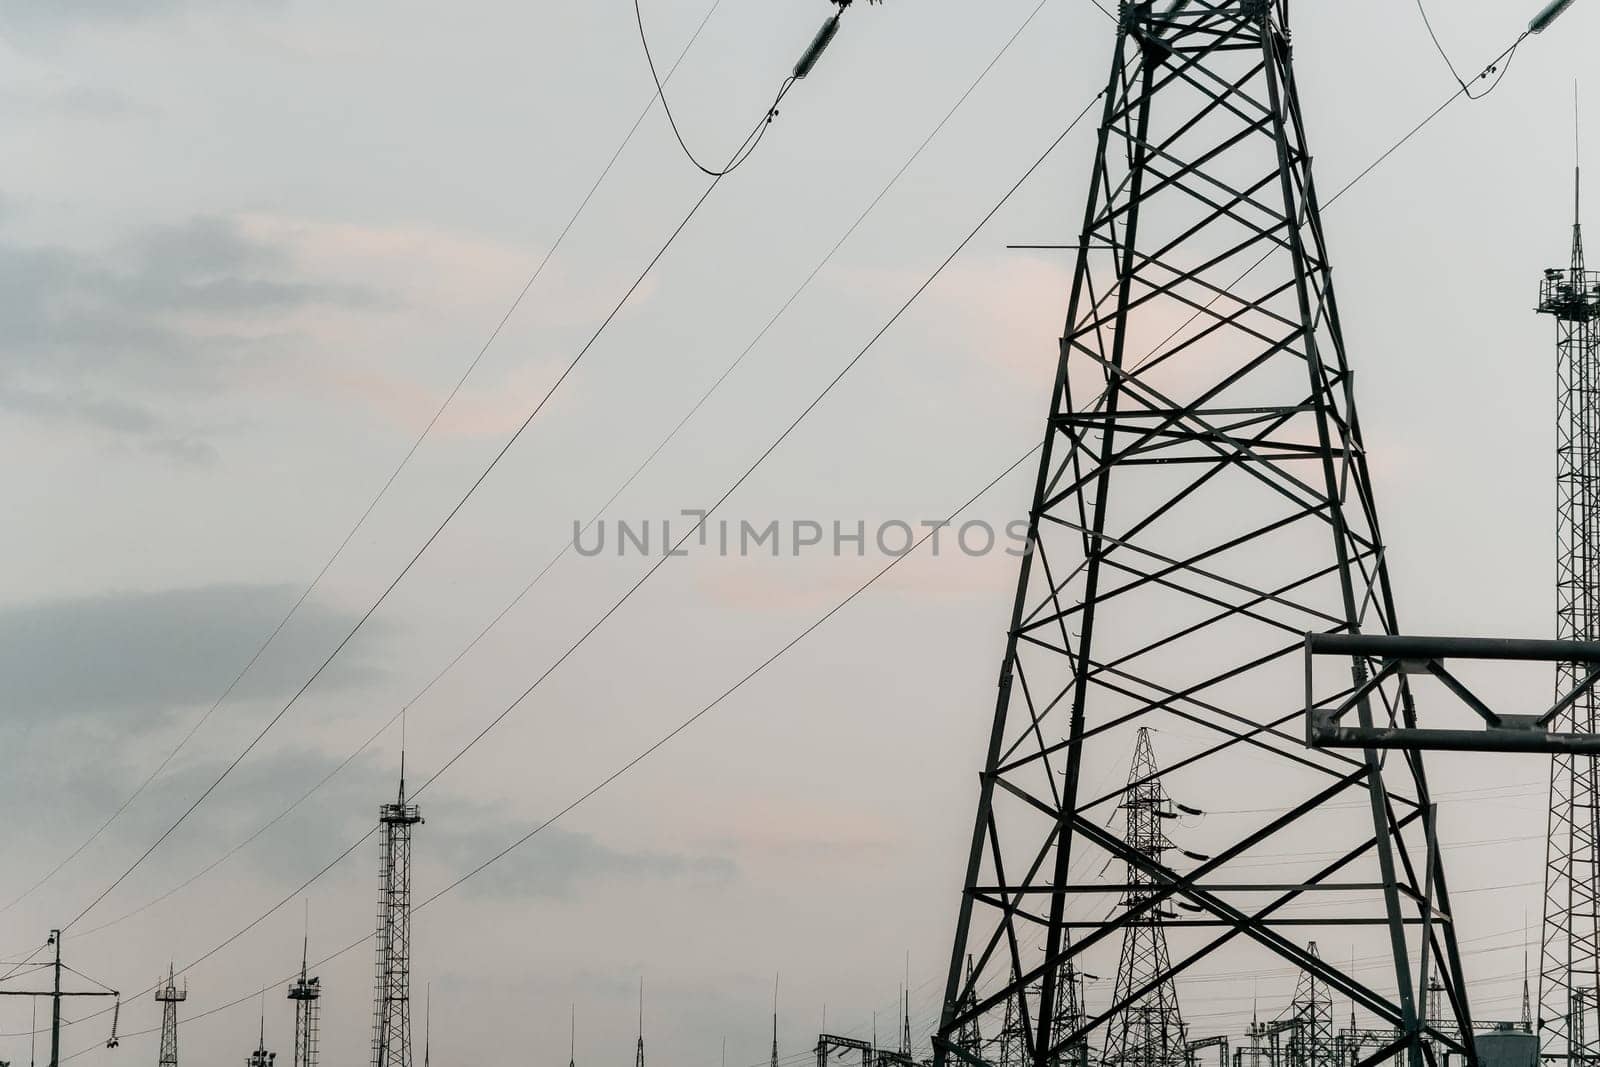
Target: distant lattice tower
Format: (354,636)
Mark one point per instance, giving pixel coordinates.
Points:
(306,992)
(1149,1031)
(1569,966)
(1070,1015)
(261,1057)
(1313,1036)
(169,996)
(391,1016)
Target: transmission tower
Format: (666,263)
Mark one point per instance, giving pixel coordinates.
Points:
(1069,1016)
(391,1022)
(638,1054)
(1569,968)
(169,996)
(971,1037)
(1149,1031)
(1202,502)
(1312,1007)
(306,992)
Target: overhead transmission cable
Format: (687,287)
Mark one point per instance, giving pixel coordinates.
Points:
(383,490)
(739,157)
(626,484)
(703,516)
(753,138)
(871,343)
(706,709)
(1487,71)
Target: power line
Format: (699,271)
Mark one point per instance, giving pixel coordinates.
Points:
(895,317)
(638,471)
(704,515)
(1509,55)
(382,491)
(628,766)
(741,155)
(754,136)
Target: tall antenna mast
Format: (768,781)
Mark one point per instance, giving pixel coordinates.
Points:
(391,1014)
(306,994)
(1569,964)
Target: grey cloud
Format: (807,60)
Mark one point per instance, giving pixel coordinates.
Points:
(558,863)
(130,421)
(127,655)
(89,102)
(47,15)
(81,329)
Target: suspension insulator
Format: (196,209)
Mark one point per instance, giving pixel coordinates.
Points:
(1551,12)
(819,44)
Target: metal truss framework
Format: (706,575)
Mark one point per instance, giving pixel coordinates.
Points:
(1383,657)
(1202,502)
(169,995)
(1569,961)
(306,993)
(391,1022)
(1149,1032)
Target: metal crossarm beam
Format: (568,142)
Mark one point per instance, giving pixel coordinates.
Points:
(1388,656)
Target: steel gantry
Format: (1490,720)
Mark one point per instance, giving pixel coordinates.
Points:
(1202,502)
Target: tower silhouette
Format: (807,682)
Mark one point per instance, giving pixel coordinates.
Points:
(1569,960)
(169,996)
(1202,502)
(261,1057)
(1148,1031)
(1313,1039)
(391,1021)
(306,993)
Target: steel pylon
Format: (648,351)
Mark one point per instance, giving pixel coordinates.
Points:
(1148,1031)
(1203,501)
(1569,961)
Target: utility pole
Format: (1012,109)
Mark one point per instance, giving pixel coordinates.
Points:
(55,993)
(55,1004)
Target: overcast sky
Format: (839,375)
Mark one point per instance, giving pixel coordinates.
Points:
(247,247)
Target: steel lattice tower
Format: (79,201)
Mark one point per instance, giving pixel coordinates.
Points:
(1314,1041)
(1149,1031)
(1069,1016)
(1569,968)
(306,992)
(169,996)
(391,1022)
(1202,502)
